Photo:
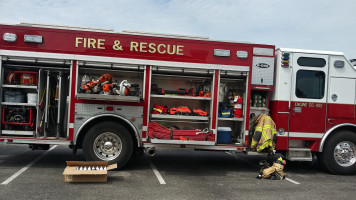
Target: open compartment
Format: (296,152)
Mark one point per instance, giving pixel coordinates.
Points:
(259,99)
(231,113)
(181,102)
(259,103)
(115,83)
(52,106)
(28,90)
(181,96)
(19,93)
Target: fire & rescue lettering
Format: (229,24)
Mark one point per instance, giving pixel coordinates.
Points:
(90,43)
(153,48)
(143,47)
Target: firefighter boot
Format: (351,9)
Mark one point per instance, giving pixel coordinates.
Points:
(266,173)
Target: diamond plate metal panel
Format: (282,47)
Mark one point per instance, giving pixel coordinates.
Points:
(262,70)
(84,112)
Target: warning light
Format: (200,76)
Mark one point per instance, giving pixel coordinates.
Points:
(33,38)
(10,37)
(285,60)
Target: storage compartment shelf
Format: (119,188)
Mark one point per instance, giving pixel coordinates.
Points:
(231,119)
(259,108)
(108,97)
(10,132)
(17,104)
(183,117)
(181,97)
(20,86)
(188,142)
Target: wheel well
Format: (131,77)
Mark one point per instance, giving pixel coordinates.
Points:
(339,129)
(98,120)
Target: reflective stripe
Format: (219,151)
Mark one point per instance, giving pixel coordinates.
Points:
(263,146)
(158,110)
(265,134)
(253,143)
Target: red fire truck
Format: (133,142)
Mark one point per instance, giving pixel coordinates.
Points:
(112,94)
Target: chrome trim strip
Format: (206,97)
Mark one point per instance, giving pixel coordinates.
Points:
(283,113)
(27,141)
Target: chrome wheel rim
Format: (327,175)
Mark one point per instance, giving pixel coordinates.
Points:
(345,153)
(107,146)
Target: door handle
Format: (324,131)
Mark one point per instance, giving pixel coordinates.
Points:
(331,121)
(298,109)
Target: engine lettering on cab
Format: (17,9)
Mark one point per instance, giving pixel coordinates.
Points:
(319,105)
(310,105)
(300,104)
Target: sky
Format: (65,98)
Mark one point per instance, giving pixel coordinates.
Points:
(304,24)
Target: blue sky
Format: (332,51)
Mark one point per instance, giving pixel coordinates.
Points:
(306,24)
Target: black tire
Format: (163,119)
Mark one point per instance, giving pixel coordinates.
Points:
(108,141)
(335,160)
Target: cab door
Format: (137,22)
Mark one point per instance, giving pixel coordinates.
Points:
(308,96)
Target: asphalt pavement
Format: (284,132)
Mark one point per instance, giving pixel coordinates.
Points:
(170,174)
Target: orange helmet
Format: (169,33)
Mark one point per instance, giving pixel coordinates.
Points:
(105,78)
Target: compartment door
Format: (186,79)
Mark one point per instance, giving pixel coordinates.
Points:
(262,70)
(341,101)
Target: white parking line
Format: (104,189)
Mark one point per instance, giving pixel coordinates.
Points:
(18,173)
(290,180)
(158,175)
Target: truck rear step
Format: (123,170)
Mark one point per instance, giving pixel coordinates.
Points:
(299,154)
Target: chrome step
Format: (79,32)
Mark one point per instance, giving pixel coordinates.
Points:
(299,154)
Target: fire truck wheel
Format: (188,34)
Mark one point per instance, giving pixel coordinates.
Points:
(108,141)
(339,154)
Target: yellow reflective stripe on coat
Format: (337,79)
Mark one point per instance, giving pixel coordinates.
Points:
(263,146)
(158,110)
(264,133)
(258,129)
(253,143)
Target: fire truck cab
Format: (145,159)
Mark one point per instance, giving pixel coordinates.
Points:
(313,105)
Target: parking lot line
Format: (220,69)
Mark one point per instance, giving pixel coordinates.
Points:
(18,173)
(158,175)
(290,180)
